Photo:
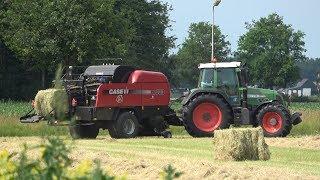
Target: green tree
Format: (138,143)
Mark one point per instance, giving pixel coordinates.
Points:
(309,68)
(197,49)
(271,48)
(45,33)
(150,46)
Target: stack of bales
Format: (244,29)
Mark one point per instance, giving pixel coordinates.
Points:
(240,144)
(52,102)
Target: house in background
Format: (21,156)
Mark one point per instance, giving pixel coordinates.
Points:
(305,88)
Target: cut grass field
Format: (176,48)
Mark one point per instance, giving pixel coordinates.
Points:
(143,158)
(296,157)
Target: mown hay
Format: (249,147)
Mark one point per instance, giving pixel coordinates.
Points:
(51,102)
(240,144)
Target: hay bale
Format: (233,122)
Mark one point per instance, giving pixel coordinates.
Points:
(240,144)
(51,102)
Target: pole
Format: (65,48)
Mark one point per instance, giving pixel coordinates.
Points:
(212,43)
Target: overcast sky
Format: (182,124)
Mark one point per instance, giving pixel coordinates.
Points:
(231,16)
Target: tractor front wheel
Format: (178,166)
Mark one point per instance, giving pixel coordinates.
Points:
(205,114)
(126,126)
(274,120)
(84,131)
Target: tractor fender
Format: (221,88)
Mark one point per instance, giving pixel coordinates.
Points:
(256,110)
(197,92)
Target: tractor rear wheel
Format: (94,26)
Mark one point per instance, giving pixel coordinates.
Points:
(126,126)
(84,131)
(274,120)
(205,114)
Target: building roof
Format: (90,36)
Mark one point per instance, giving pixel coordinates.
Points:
(300,84)
(220,65)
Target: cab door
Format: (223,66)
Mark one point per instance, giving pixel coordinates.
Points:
(228,82)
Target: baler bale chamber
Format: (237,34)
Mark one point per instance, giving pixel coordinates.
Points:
(121,99)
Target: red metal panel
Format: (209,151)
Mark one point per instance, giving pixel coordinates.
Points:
(118,95)
(155,94)
(144,88)
(140,76)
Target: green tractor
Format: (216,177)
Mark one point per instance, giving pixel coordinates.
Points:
(223,98)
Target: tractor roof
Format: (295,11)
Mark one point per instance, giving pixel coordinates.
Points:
(220,65)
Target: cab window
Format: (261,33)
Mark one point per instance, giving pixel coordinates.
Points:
(206,78)
(227,80)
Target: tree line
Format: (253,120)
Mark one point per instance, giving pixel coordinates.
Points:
(273,51)
(37,35)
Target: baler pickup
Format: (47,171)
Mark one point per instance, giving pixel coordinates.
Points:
(31,117)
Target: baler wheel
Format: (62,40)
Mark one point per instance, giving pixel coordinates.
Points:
(125,127)
(84,131)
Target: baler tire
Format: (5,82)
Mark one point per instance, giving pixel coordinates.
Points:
(167,134)
(146,131)
(280,114)
(84,131)
(214,100)
(117,130)
(113,132)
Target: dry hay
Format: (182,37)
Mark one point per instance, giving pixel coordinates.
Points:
(148,164)
(305,142)
(51,101)
(240,144)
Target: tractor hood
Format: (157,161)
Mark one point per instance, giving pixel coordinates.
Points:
(262,93)
(257,96)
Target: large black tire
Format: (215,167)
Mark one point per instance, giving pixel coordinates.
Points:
(126,126)
(84,131)
(274,120)
(215,114)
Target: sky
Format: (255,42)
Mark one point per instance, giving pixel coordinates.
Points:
(231,16)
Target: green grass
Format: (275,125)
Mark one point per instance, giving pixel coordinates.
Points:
(11,127)
(10,112)
(310,119)
(14,109)
(305,106)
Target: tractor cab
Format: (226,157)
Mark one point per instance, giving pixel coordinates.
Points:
(229,78)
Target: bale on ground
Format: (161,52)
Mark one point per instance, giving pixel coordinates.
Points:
(240,144)
(51,102)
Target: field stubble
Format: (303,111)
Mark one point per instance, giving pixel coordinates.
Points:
(143,158)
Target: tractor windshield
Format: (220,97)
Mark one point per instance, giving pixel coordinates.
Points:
(206,78)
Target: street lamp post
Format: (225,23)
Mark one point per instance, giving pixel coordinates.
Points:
(213,58)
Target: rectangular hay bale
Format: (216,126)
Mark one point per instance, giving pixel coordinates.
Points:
(51,102)
(240,144)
